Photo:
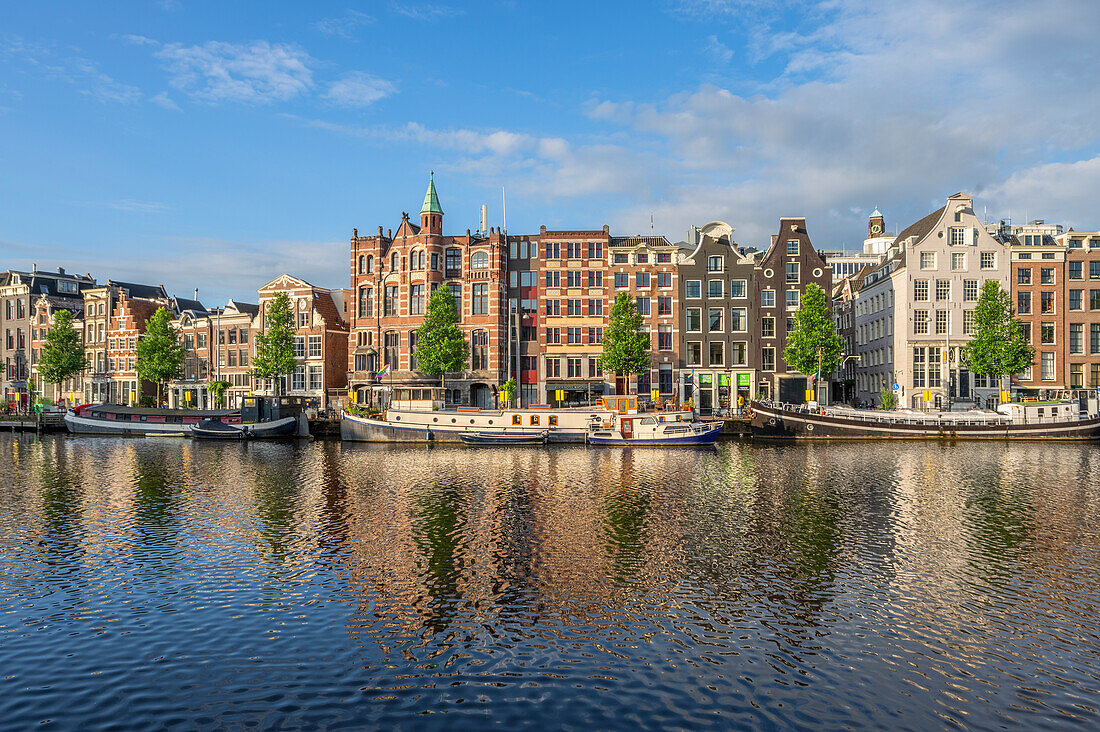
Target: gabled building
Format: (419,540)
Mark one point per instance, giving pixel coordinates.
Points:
(392,277)
(115,314)
(1081,308)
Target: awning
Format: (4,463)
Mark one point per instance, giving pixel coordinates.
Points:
(579,385)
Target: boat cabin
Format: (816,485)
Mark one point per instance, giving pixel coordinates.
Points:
(1036,412)
(269,409)
(419,399)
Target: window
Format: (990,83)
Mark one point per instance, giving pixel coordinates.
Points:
(1094,341)
(790,325)
(573,369)
(714,320)
(968,322)
(1023,276)
(456,294)
(1094,299)
(970,290)
(920,322)
(595,250)
(920,290)
(664,257)
(595,279)
(553,368)
(1076,338)
(316,380)
(622,280)
(573,335)
(717,353)
(793,299)
(693,319)
(694,354)
(714,264)
(943,290)
(958,236)
(643,306)
(573,250)
(620,258)
(958,261)
(452,261)
(1076,300)
(573,307)
(553,335)
(553,307)
(792,272)
(1073,270)
(714,288)
(767,359)
(739,321)
(943,322)
(1046,366)
(1046,275)
(792,247)
(642,279)
(573,278)
(298,379)
(664,338)
(767,298)
(479,350)
(1046,334)
(927,260)
(553,278)
(553,250)
(595,335)
(1023,303)
(416,300)
(299,347)
(664,279)
(1046,303)
(481,299)
(1076,376)
(479,260)
(738,353)
(641,257)
(693,288)
(738,288)
(918,368)
(988,260)
(595,306)
(767,328)
(435,260)
(314,346)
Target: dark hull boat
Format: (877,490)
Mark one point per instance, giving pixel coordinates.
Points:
(502,438)
(1060,421)
(214,429)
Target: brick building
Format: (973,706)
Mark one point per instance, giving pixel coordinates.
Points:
(392,278)
(320,342)
(1038,287)
(523,314)
(109,326)
(218,345)
(1081,310)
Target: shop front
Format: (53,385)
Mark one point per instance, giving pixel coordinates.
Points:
(574,393)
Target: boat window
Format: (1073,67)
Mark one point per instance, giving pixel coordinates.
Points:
(534,419)
(516,419)
(553,420)
(648,420)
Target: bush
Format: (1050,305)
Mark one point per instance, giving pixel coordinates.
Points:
(887,400)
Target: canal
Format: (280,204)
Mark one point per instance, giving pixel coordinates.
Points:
(174,583)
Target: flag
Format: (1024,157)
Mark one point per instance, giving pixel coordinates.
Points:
(385,370)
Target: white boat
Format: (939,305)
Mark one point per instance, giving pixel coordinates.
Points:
(414,416)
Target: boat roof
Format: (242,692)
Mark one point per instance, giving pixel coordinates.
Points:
(123,409)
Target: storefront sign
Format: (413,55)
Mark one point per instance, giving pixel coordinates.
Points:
(744,380)
(706,379)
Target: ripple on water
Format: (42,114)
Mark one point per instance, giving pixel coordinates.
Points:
(181,584)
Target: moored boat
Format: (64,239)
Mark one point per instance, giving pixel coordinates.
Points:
(215,429)
(117,419)
(652,430)
(1062,420)
(502,439)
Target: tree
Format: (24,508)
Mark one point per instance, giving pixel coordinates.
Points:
(275,343)
(63,353)
(217,389)
(508,391)
(625,346)
(887,400)
(159,351)
(440,345)
(814,347)
(998,346)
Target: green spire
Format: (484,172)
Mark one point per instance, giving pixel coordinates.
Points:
(431,199)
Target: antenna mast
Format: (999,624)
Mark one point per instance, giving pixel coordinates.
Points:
(504,209)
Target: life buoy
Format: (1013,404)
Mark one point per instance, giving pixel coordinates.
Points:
(771,421)
(809,428)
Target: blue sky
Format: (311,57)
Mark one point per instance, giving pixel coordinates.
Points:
(215,145)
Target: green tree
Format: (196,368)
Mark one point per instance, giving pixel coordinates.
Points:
(275,343)
(63,353)
(217,389)
(508,391)
(998,346)
(440,345)
(159,351)
(625,346)
(887,400)
(814,347)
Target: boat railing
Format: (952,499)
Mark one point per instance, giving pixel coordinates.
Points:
(901,418)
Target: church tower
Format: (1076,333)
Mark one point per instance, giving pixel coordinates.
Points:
(876,226)
(431,214)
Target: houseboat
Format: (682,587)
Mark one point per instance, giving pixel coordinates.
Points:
(1061,419)
(418,415)
(257,417)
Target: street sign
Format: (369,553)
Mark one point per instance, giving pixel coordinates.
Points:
(809,395)
(559,395)
(927,395)
(655,394)
(897,387)
(1006,395)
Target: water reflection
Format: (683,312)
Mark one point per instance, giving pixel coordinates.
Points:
(748,586)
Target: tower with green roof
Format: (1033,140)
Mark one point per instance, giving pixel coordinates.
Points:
(431,213)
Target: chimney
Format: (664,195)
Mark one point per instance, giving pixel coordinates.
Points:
(196,294)
(34,268)
(61,270)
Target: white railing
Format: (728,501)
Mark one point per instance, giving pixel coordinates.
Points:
(925,420)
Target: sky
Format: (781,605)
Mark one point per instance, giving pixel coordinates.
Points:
(217,145)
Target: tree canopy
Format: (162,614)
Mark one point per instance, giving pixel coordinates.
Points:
(625,346)
(63,353)
(159,351)
(275,343)
(440,344)
(997,346)
(814,347)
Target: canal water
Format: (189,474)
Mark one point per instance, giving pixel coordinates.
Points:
(173,583)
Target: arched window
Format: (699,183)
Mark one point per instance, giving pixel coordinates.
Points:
(395,262)
(370,264)
(479,260)
(362,264)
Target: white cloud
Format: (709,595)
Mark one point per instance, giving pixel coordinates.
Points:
(358,89)
(717,51)
(251,73)
(427,12)
(71,68)
(131,205)
(1060,192)
(343,26)
(163,100)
